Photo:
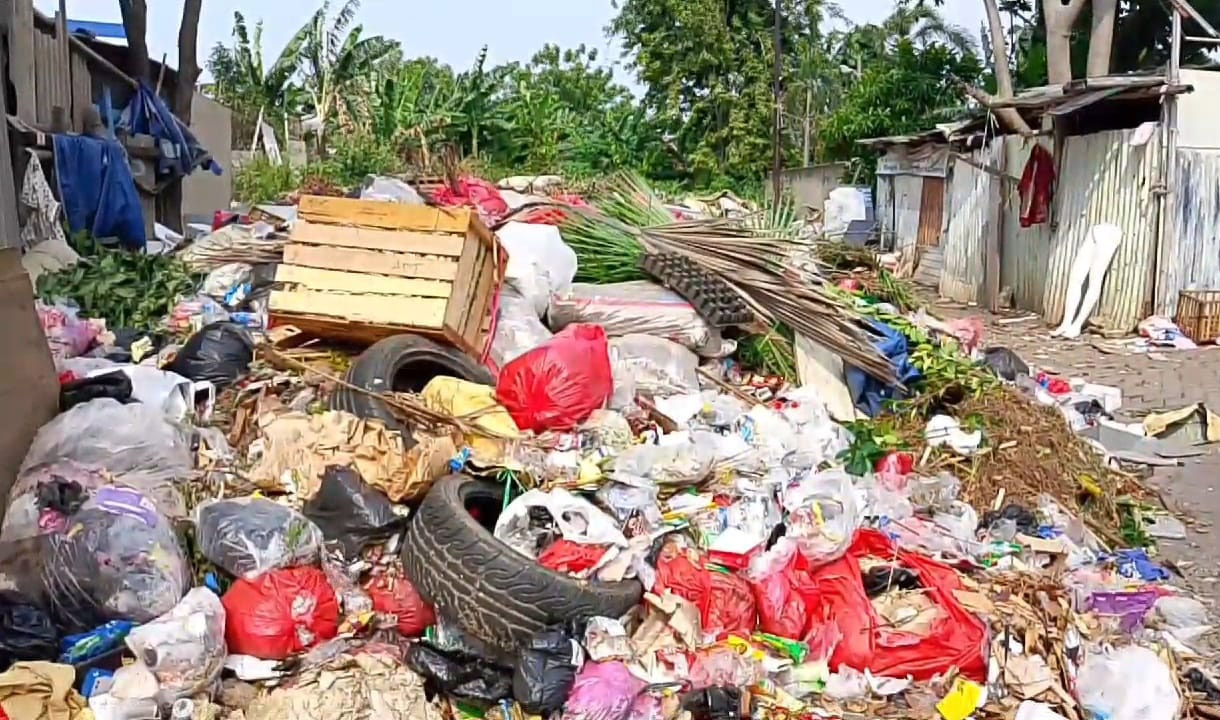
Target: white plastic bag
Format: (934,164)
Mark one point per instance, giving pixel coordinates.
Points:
(184,648)
(539,262)
(1131,683)
(651,365)
(388,189)
(518,329)
(823,514)
(577,519)
(638,307)
(683,459)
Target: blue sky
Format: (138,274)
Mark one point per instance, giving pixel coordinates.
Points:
(452,32)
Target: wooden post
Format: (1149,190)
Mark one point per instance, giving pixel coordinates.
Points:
(995,239)
(1167,243)
(21,59)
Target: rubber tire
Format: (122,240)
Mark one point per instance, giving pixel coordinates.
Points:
(377,367)
(494,593)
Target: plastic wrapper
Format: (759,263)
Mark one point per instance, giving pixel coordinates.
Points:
(388,189)
(185,648)
(558,385)
(135,443)
(27,632)
(220,353)
(458,675)
(350,512)
(354,601)
(634,498)
(638,307)
(565,556)
(539,262)
(226,282)
(545,671)
(117,558)
(1131,683)
(395,595)
(602,691)
(650,365)
(936,492)
(781,609)
(474,193)
(685,459)
(721,666)
(518,329)
(725,602)
(67,335)
(250,536)
(281,613)
(575,518)
(1178,612)
(609,430)
(823,515)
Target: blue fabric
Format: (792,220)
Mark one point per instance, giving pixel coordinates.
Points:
(148,114)
(1136,565)
(97,190)
(868,393)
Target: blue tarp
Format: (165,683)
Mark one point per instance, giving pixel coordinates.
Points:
(181,153)
(867,392)
(97,190)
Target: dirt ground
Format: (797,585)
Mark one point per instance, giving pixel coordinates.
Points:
(1162,380)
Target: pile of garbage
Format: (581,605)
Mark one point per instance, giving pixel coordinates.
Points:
(613,520)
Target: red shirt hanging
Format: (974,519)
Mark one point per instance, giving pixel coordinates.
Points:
(1037,187)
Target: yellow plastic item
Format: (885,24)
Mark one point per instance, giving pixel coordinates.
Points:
(963,699)
(463,398)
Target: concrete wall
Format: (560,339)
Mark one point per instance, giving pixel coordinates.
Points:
(202,192)
(810,185)
(1197,111)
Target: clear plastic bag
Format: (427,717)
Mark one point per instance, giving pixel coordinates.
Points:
(638,307)
(684,460)
(185,648)
(650,365)
(67,335)
(1130,683)
(539,265)
(823,515)
(117,559)
(249,536)
(225,280)
(388,189)
(518,329)
(577,520)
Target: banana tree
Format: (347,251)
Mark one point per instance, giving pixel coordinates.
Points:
(411,106)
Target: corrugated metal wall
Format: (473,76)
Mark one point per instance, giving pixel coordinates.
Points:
(1195,263)
(1102,179)
(1025,251)
(908,193)
(884,209)
(970,192)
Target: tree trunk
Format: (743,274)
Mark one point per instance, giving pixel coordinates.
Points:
(1061,17)
(135,27)
(188,60)
(808,122)
(1101,38)
(1003,74)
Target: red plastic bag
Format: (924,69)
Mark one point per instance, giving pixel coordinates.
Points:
(781,609)
(557,385)
(726,605)
(281,613)
(474,193)
(397,596)
(550,214)
(957,639)
(566,556)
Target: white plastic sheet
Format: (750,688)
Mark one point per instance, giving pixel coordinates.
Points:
(1130,683)
(577,519)
(539,262)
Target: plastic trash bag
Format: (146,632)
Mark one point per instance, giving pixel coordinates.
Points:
(602,691)
(27,632)
(558,385)
(135,443)
(118,558)
(388,189)
(227,283)
(458,675)
(685,459)
(539,262)
(398,597)
(823,515)
(638,307)
(1005,363)
(650,365)
(781,609)
(281,613)
(347,510)
(518,329)
(546,670)
(115,386)
(67,335)
(250,536)
(220,353)
(1131,683)
(576,519)
(725,602)
(185,648)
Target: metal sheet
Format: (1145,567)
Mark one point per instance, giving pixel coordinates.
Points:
(885,209)
(1025,251)
(908,193)
(970,207)
(1103,179)
(1195,264)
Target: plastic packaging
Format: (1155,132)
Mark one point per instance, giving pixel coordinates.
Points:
(463,677)
(219,353)
(545,671)
(781,609)
(684,460)
(602,691)
(576,519)
(1005,363)
(725,602)
(67,335)
(1130,683)
(650,365)
(251,535)
(185,648)
(395,595)
(518,329)
(1178,612)
(389,189)
(638,307)
(565,556)
(281,613)
(558,385)
(224,280)
(26,631)
(347,510)
(115,386)
(116,559)
(823,515)
(474,193)
(539,262)
(721,666)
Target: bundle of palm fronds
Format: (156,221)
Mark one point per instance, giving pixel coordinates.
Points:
(756,264)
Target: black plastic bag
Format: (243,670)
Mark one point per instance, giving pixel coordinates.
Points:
(460,676)
(114,385)
(27,632)
(714,703)
(346,509)
(545,671)
(219,353)
(1005,363)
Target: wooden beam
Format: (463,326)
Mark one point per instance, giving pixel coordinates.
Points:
(368,261)
(21,59)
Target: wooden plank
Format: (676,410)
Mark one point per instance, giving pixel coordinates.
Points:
(405,312)
(931,212)
(455,316)
(317,279)
(374,239)
(376,214)
(82,92)
(21,60)
(480,301)
(370,261)
(338,330)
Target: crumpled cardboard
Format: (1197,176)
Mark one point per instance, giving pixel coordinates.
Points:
(41,691)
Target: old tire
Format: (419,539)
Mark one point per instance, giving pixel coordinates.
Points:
(493,592)
(406,363)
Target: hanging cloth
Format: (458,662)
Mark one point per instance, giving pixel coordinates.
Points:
(1037,187)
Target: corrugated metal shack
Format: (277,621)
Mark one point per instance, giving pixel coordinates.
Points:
(1109,148)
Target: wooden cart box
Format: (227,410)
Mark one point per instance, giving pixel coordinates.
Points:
(361,270)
